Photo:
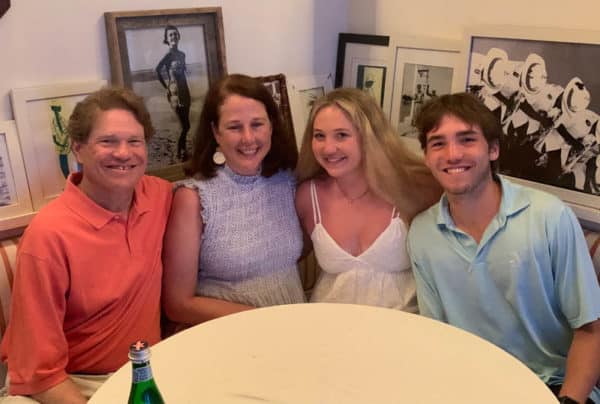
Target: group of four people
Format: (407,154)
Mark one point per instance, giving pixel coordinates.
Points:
(502,261)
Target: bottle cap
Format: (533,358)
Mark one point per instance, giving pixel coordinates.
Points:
(139,351)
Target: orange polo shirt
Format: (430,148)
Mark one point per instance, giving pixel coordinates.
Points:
(87,284)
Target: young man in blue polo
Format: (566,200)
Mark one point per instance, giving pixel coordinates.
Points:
(503,261)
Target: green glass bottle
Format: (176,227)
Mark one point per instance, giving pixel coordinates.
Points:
(143,387)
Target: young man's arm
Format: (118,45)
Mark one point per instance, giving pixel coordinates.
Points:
(583,363)
(428,298)
(578,294)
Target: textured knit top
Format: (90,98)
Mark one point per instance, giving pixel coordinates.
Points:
(380,276)
(251,238)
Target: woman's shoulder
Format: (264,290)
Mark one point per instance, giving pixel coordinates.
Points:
(186,198)
(303,191)
(321,183)
(190,183)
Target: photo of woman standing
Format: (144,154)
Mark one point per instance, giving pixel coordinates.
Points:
(171,73)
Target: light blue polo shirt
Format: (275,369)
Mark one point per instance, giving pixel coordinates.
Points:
(524,287)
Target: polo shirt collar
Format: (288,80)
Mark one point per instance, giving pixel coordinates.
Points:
(93,213)
(514,199)
(443,217)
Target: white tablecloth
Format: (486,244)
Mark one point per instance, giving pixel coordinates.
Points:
(331,353)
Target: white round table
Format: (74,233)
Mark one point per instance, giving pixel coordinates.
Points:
(331,353)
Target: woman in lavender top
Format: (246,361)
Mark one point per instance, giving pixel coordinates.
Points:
(233,237)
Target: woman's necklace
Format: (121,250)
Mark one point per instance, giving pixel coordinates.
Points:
(356,198)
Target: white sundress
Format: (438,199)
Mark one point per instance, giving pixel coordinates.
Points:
(380,276)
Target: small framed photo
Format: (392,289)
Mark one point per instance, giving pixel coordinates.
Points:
(41,114)
(276,84)
(424,68)
(362,62)
(304,91)
(544,89)
(16,209)
(170,58)
(371,79)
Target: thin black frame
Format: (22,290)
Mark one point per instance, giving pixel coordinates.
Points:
(343,40)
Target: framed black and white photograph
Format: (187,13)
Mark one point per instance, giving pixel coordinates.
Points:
(16,209)
(424,68)
(169,57)
(303,92)
(362,62)
(41,114)
(371,79)
(276,84)
(544,88)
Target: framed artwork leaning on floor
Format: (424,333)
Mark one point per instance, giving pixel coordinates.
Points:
(362,62)
(41,114)
(424,68)
(303,92)
(15,201)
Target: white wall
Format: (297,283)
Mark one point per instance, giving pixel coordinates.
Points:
(44,42)
(446,19)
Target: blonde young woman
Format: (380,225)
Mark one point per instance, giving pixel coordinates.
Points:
(360,188)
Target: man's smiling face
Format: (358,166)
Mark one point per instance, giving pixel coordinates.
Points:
(114,157)
(459,156)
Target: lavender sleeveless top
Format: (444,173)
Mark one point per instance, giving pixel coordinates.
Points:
(251,239)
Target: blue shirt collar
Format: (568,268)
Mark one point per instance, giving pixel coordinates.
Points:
(513,201)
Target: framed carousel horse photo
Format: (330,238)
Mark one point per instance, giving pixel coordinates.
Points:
(544,88)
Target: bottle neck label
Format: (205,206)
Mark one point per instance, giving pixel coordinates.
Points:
(142,374)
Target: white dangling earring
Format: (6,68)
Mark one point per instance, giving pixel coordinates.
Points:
(218,157)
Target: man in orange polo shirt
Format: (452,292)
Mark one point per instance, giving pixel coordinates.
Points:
(89,268)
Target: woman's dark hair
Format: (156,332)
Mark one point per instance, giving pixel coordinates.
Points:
(283,153)
(170,28)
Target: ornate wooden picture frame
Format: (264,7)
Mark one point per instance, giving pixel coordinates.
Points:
(276,84)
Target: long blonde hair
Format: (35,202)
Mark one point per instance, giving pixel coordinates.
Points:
(393,172)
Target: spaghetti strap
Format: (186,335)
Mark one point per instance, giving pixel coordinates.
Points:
(315,202)
(393,212)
